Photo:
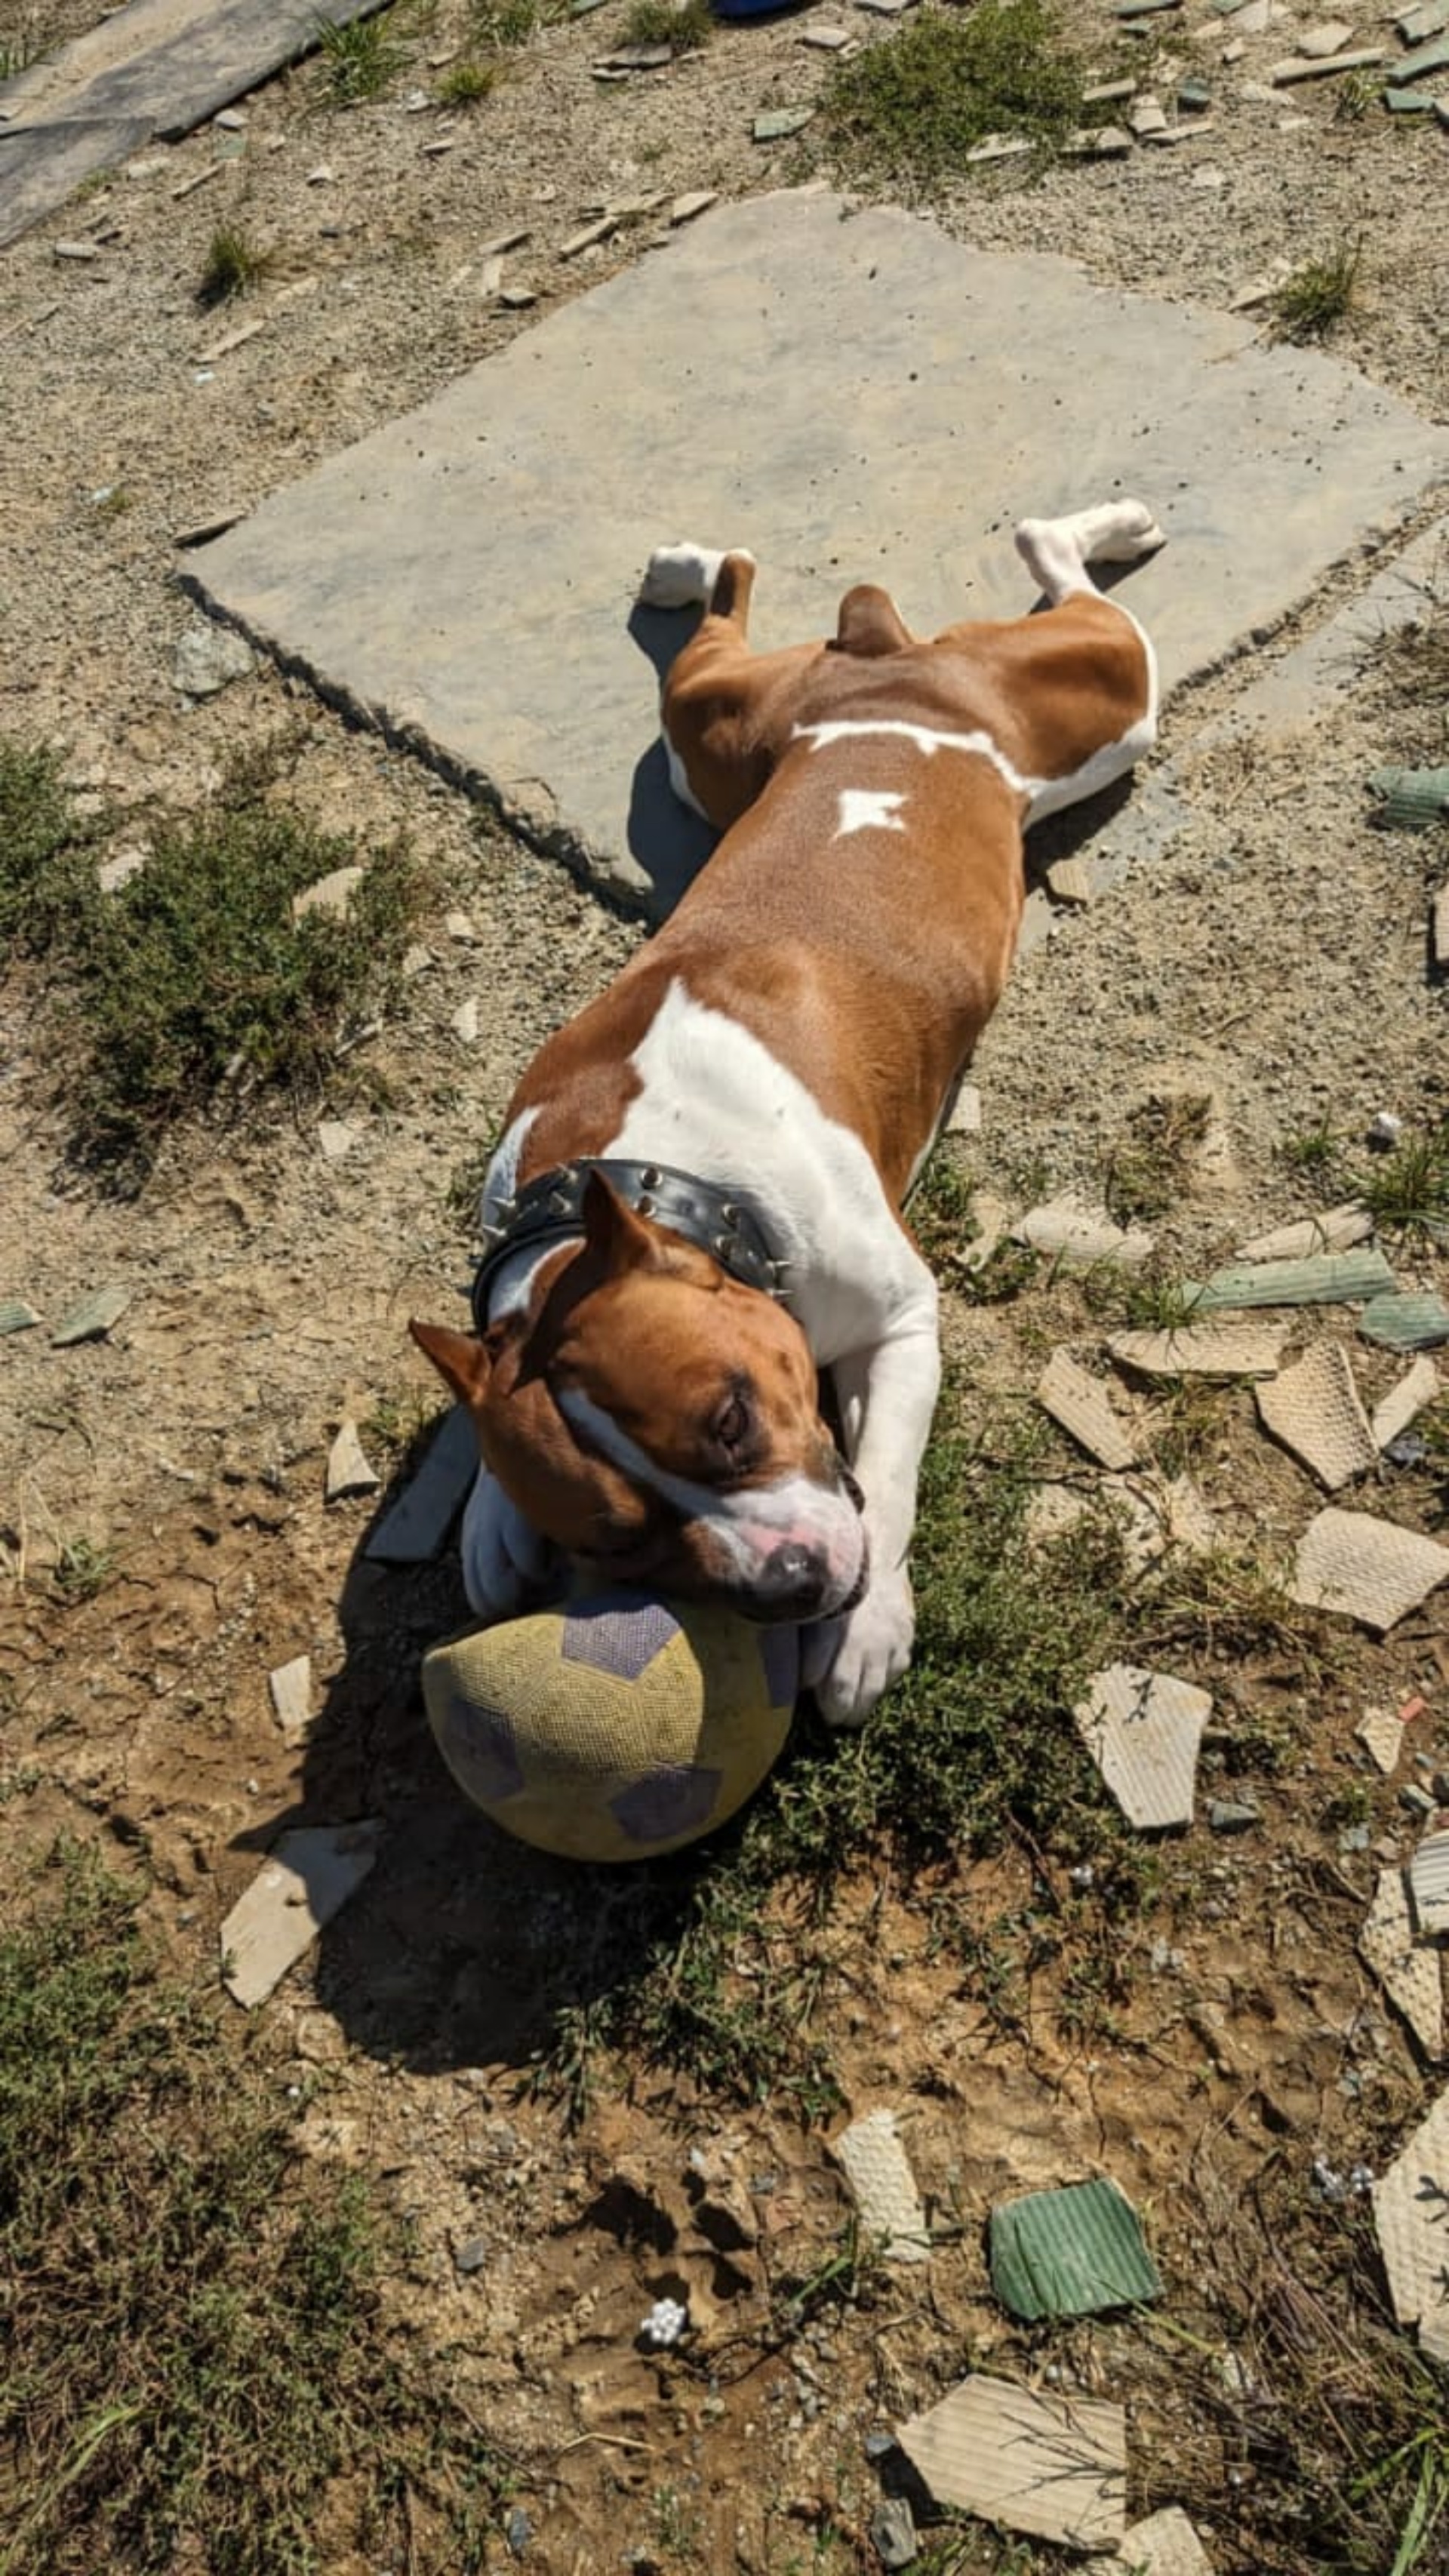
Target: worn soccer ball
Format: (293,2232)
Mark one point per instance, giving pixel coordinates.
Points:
(616,1726)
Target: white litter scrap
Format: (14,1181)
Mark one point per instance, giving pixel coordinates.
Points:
(1410,1973)
(1052,2466)
(1143,1731)
(1072,1231)
(348,1467)
(1337,1230)
(291,1689)
(1404,1402)
(1313,1409)
(876,2167)
(1164,2545)
(662,2328)
(1367,1569)
(1383,1734)
(1224,1351)
(308,1879)
(1429,1888)
(1079,1402)
(1411,2215)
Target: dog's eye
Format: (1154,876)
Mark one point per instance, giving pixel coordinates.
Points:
(732,1423)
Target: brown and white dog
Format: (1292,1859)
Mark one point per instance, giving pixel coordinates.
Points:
(696,1205)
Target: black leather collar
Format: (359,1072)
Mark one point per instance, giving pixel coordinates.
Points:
(550,1210)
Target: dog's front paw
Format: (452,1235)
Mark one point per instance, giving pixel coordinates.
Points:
(852,1662)
(680,577)
(504,1559)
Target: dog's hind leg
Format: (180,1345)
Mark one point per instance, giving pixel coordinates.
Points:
(720,705)
(1057,552)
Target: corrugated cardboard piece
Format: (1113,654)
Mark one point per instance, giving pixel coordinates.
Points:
(1054,2466)
(1368,1569)
(883,2187)
(1143,1730)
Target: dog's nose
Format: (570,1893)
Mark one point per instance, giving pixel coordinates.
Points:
(792,1582)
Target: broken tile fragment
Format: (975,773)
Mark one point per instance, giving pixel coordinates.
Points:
(1224,1351)
(1406,1323)
(1164,2545)
(1429,1887)
(1313,1410)
(1328,37)
(877,2169)
(331,894)
(1425,20)
(1410,2203)
(1147,117)
(1327,1279)
(1052,2466)
(308,1878)
(1382,1735)
(16,1316)
(1143,1730)
(1079,1402)
(1300,68)
(336,1138)
(1070,1229)
(1410,1974)
(1070,880)
(92,1318)
(1432,57)
(965,1118)
(1338,1229)
(348,1468)
(1366,1569)
(419,1521)
(1070,2253)
(695,201)
(1404,1402)
(291,1689)
(778,123)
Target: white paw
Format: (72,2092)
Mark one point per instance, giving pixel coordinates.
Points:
(504,1559)
(680,577)
(1137,533)
(852,1662)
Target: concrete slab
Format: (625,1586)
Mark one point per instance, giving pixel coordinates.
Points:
(155,68)
(852,399)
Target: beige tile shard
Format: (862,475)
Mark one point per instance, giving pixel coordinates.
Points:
(1225,1351)
(1383,1734)
(1410,1974)
(1337,1230)
(873,2159)
(1143,1730)
(1429,1887)
(965,1118)
(291,1689)
(331,895)
(1411,2214)
(1366,1569)
(1164,2545)
(1313,1409)
(1070,1229)
(1416,1388)
(307,1880)
(1052,2466)
(1185,1518)
(1079,1402)
(349,1470)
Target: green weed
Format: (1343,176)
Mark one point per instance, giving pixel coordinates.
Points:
(82,1569)
(1152,1165)
(683,25)
(1311,303)
(908,110)
(234,264)
(504,25)
(359,59)
(1408,1190)
(21,44)
(467,81)
(46,849)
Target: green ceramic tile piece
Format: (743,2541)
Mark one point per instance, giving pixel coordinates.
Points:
(1433,57)
(1070,2253)
(92,1317)
(1406,1323)
(1411,102)
(16,1316)
(1411,799)
(777,122)
(1326,1279)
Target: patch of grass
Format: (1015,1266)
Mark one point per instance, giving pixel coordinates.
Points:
(1311,303)
(46,848)
(22,43)
(1408,1190)
(1148,1299)
(467,81)
(234,264)
(1357,93)
(195,2367)
(683,25)
(908,109)
(358,60)
(82,1569)
(1151,1166)
(1311,1149)
(504,25)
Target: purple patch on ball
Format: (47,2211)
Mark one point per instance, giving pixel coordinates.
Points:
(482,1738)
(617,1635)
(780,1655)
(673,1801)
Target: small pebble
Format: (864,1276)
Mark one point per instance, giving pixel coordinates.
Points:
(1232,1816)
(471,2255)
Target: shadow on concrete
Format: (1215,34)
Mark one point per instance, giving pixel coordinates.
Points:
(668,842)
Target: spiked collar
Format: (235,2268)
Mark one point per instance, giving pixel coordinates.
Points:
(549,1211)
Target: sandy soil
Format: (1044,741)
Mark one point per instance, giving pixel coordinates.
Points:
(1273,957)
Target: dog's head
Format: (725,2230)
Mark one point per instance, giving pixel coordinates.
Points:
(660,1421)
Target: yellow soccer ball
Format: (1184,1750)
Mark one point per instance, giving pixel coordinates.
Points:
(616,1726)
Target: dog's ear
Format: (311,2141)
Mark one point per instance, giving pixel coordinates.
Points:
(465,1362)
(614,1236)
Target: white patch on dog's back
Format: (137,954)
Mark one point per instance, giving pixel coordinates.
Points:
(922,738)
(869,809)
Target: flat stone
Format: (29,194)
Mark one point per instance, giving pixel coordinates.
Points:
(1070,1230)
(308,1878)
(1052,2466)
(1164,2545)
(893,2532)
(414,1530)
(200,532)
(588,237)
(1404,1402)
(1233,1815)
(1108,93)
(877,2169)
(1410,2202)
(1224,1352)
(1143,1730)
(1381,1732)
(1071,2253)
(461,928)
(349,1471)
(331,895)
(1336,1230)
(92,1318)
(16,1316)
(291,1689)
(1429,1887)
(336,1138)
(1433,57)
(1327,1279)
(1406,1323)
(1080,1403)
(1087,143)
(1367,1569)
(695,202)
(465,1022)
(361,573)
(209,658)
(778,123)
(1328,37)
(1147,117)
(1298,68)
(40,165)
(1425,20)
(1314,1410)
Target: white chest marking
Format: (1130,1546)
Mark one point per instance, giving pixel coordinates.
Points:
(869,809)
(714,1100)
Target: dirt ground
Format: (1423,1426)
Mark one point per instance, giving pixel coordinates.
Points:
(1272,958)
